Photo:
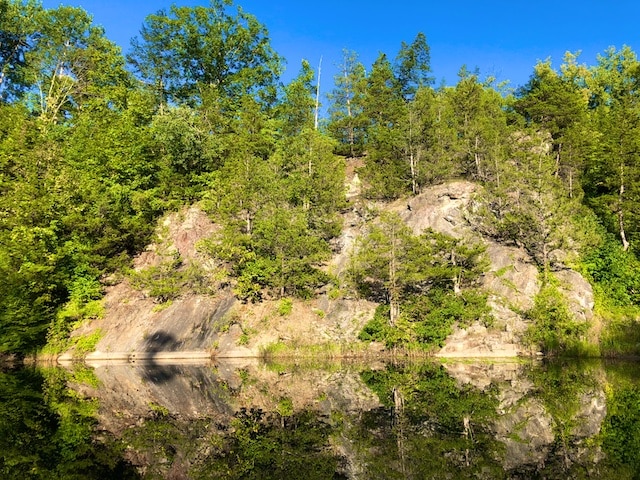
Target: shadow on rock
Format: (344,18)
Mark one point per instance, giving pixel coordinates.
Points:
(153,372)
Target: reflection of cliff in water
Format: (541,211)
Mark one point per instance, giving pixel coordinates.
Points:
(128,392)
(547,414)
(395,421)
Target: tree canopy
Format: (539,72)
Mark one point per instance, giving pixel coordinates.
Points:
(95,147)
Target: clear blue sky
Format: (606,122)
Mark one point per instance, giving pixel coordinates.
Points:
(502,38)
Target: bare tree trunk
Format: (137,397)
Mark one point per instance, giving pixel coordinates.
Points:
(468,433)
(412,159)
(623,236)
(456,278)
(394,306)
(557,172)
(414,184)
(398,412)
(476,158)
(318,94)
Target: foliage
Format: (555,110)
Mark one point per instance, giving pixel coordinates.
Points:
(347,124)
(426,410)
(614,276)
(619,434)
(554,329)
(427,320)
(91,157)
(423,282)
(614,272)
(46,431)
(285,307)
(184,52)
(170,279)
(272,446)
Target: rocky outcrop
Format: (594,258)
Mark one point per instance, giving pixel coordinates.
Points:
(526,423)
(136,326)
(204,322)
(578,293)
(511,281)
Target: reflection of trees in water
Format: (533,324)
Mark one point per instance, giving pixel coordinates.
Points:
(571,393)
(46,431)
(552,418)
(254,445)
(429,431)
(428,425)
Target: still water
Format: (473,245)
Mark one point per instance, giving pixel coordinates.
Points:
(250,420)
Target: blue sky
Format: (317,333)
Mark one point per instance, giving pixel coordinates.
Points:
(503,39)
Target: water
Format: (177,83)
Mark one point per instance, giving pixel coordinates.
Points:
(286,420)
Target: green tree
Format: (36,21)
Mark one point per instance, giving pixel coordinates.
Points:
(611,183)
(385,108)
(379,265)
(296,111)
(311,174)
(18,32)
(556,104)
(392,265)
(413,66)
(187,51)
(239,189)
(481,126)
(531,208)
(439,137)
(346,120)
(71,64)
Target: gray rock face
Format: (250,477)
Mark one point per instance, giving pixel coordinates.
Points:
(441,208)
(524,423)
(527,433)
(134,323)
(512,280)
(578,293)
(593,410)
(512,277)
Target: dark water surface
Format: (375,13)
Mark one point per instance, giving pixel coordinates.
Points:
(248,420)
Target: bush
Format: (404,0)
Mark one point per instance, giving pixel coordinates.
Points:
(615,272)
(426,320)
(554,329)
(615,276)
(285,307)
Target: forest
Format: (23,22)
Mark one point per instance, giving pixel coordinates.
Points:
(95,146)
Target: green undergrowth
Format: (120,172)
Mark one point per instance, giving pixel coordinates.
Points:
(426,320)
(553,327)
(613,273)
(326,350)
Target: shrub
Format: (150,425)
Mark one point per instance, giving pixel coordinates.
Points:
(554,329)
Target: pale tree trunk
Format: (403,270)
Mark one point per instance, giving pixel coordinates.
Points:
(570,171)
(623,236)
(456,278)
(394,305)
(497,167)
(249,223)
(318,94)
(476,157)
(414,183)
(557,172)
(468,433)
(350,129)
(412,157)
(398,416)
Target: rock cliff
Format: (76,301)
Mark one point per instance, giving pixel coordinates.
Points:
(214,322)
